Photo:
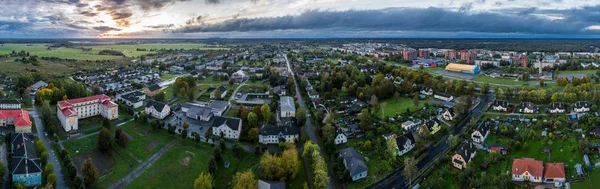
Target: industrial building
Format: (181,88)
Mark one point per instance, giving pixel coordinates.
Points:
(463,68)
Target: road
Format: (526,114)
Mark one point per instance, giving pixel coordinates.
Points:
(309,127)
(52,158)
(397,180)
(236,90)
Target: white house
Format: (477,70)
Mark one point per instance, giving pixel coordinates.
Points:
(500,105)
(9,104)
(557,107)
(227,127)
(354,163)
(133,99)
(222,90)
(527,107)
(70,111)
(443,96)
(340,137)
(426,91)
(449,114)
(157,110)
(404,144)
(408,125)
(481,132)
(554,172)
(582,106)
(287,107)
(527,169)
(271,134)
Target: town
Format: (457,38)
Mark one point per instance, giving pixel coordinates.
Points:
(297,114)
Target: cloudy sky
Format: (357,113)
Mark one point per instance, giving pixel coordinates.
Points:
(299,18)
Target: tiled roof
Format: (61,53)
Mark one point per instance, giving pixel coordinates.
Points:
(21,117)
(68,112)
(554,170)
(232,123)
(534,167)
(65,103)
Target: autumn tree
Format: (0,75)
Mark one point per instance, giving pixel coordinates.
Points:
(104,139)
(252,119)
(253,134)
(391,147)
(266,113)
(204,181)
(245,180)
(90,173)
(123,139)
(300,116)
(291,161)
(271,166)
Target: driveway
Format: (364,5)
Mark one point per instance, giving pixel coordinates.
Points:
(52,158)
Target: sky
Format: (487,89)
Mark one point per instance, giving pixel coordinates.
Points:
(299,18)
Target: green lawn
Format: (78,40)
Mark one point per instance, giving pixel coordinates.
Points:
(433,70)
(586,72)
(167,76)
(225,175)
(119,170)
(395,107)
(504,81)
(593,181)
(80,146)
(145,141)
(42,50)
(175,169)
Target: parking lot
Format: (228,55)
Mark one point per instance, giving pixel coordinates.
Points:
(195,125)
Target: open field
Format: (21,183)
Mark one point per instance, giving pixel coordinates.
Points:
(504,81)
(130,50)
(175,169)
(586,72)
(143,141)
(395,107)
(57,68)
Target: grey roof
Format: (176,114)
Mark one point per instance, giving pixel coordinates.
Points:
(483,127)
(200,111)
(581,104)
(465,150)
(133,96)
(39,84)
(25,166)
(24,159)
(271,184)
(502,103)
(443,94)
(557,105)
(232,123)
(528,105)
(400,141)
(218,104)
(287,104)
(288,127)
(354,162)
(158,106)
(9,101)
(154,87)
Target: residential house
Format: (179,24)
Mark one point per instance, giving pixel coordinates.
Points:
(280,90)
(271,184)
(25,166)
(500,105)
(354,163)
(404,144)
(152,90)
(582,106)
(219,108)
(465,152)
(432,126)
(426,91)
(36,86)
(70,111)
(443,96)
(481,132)
(287,107)
(17,118)
(449,114)
(176,69)
(348,100)
(526,107)
(9,104)
(271,134)
(219,93)
(557,107)
(408,125)
(133,99)
(227,127)
(554,172)
(313,94)
(527,169)
(200,113)
(340,137)
(157,109)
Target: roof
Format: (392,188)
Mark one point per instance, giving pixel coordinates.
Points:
(65,103)
(442,94)
(554,170)
(483,127)
(528,105)
(460,67)
(9,101)
(39,84)
(271,184)
(68,112)
(465,150)
(158,106)
(218,105)
(232,123)
(109,104)
(354,162)
(22,145)
(502,103)
(532,166)
(25,166)
(557,105)
(583,104)
(431,123)
(401,140)
(199,111)
(154,87)
(134,96)
(287,128)
(21,117)
(286,103)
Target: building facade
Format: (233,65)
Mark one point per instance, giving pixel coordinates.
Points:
(70,111)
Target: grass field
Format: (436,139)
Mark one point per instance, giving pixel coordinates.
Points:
(486,79)
(145,141)
(175,169)
(242,164)
(586,72)
(396,107)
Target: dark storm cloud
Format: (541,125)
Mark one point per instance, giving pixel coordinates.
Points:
(106,28)
(120,15)
(88,13)
(75,26)
(156,4)
(398,19)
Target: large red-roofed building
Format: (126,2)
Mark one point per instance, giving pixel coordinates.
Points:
(70,111)
(18,118)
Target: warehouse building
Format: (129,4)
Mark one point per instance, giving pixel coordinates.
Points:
(463,68)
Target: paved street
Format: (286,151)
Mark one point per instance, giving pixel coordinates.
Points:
(52,158)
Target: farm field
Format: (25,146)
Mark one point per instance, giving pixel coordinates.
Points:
(42,50)
(56,68)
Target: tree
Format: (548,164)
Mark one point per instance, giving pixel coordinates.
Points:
(90,173)
(253,134)
(410,169)
(291,161)
(217,154)
(160,97)
(123,139)
(383,105)
(391,147)
(212,165)
(266,113)
(416,101)
(204,181)
(300,116)
(374,101)
(365,120)
(245,180)
(106,123)
(186,125)
(104,140)
(51,180)
(118,131)
(252,119)
(272,167)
